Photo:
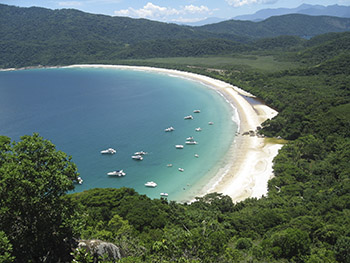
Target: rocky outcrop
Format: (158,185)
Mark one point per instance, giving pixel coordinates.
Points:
(100,249)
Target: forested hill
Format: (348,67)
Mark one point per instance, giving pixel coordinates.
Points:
(293,24)
(32,36)
(68,25)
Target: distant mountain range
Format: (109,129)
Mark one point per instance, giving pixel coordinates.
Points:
(50,37)
(305,9)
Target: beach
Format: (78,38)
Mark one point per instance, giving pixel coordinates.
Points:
(248,172)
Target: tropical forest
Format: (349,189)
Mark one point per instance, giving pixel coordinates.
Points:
(296,64)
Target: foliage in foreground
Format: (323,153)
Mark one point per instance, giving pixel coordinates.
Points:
(35,218)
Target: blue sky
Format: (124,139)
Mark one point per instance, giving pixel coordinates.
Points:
(171,10)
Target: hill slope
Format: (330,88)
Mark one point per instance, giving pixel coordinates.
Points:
(33,36)
(294,24)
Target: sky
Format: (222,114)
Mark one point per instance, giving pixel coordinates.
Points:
(172,11)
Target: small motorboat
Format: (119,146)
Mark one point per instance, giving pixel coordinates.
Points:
(196,155)
(198,129)
(79,180)
(189,117)
(211,123)
(109,151)
(137,157)
(164,194)
(151,184)
(169,165)
(181,169)
(196,111)
(118,173)
(140,153)
(191,142)
(170,129)
(179,146)
(189,138)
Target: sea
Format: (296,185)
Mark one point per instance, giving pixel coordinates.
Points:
(86,110)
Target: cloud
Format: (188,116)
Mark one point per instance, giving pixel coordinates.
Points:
(238,3)
(153,11)
(70,3)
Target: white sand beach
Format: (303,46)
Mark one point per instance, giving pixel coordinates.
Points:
(251,166)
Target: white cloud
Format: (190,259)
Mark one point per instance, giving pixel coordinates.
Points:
(196,9)
(70,3)
(153,11)
(238,3)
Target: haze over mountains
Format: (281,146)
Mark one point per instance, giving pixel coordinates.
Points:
(305,9)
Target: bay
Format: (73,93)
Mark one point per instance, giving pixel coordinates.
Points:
(83,111)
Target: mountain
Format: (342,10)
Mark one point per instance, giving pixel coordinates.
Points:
(293,24)
(66,25)
(33,36)
(314,10)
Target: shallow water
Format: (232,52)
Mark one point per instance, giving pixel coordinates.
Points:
(83,111)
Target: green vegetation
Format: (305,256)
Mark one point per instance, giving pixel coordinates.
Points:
(35,219)
(37,36)
(304,218)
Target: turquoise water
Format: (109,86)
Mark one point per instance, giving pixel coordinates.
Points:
(83,111)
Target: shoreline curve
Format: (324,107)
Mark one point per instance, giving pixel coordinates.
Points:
(251,166)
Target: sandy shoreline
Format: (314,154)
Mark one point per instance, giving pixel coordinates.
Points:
(250,168)
(251,165)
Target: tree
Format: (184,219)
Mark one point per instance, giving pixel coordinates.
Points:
(5,249)
(35,216)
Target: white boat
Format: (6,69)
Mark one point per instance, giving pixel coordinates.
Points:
(109,151)
(198,129)
(164,194)
(189,117)
(151,184)
(191,142)
(169,165)
(210,123)
(140,153)
(181,169)
(170,129)
(118,173)
(189,138)
(79,180)
(179,146)
(196,111)
(196,155)
(137,157)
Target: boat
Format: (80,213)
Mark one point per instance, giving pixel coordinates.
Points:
(137,157)
(140,153)
(181,169)
(198,129)
(79,180)
(179,146)
(169,165)
(210,123)
(118,173)
(189,117)
(196,111)
(164,194)
(196,155)
(109,151)
(170,129)
(151,184)
(191,142)
(189,138)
